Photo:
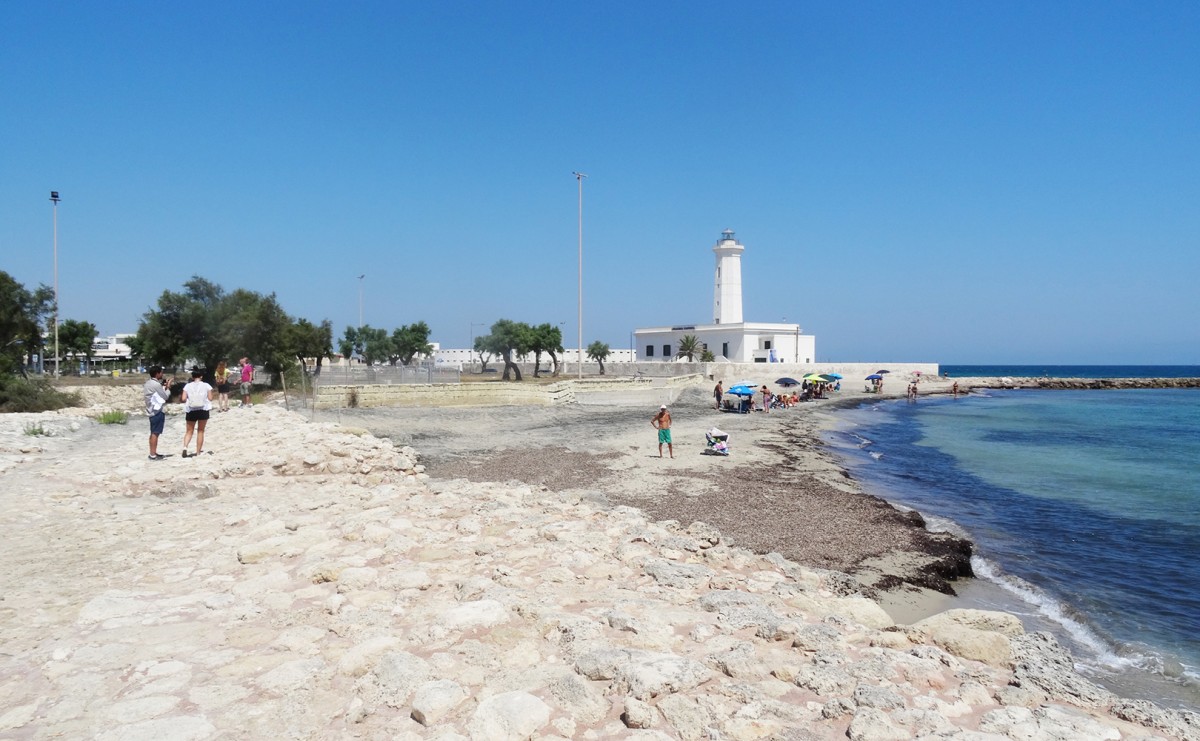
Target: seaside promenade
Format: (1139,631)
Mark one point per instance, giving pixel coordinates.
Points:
(311,579)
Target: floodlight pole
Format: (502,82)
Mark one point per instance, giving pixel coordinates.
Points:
(579,176)
(55,199)
(360,295)
(471,347)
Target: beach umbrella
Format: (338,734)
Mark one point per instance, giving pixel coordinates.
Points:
(748,384)
(813,377)
(882,372)
(787,381)
(828,378)
(838,376)
(874,377)
(741,390)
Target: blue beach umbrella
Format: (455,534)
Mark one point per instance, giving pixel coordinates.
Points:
(874,377)
(838,376)
(787,381)
(740,390)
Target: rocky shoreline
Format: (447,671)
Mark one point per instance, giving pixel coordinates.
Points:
(311,580)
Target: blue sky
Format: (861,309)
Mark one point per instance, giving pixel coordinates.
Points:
(948,182)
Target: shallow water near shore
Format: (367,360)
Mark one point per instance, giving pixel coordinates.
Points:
(1083,506)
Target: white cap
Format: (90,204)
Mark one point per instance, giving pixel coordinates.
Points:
(664,406)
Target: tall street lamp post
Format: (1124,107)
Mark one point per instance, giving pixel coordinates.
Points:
(471,347)
(360,292)
(54,197)
(579,176)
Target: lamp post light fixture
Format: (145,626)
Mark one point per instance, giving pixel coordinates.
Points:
(55,199)
(579,176)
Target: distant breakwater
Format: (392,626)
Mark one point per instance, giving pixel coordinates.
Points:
(1083,383)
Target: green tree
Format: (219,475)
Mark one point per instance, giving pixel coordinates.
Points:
(689,347)
(546,338)
(481,349)
(509,338)
(310,340)
(76,337)
(377,345)
(408,341)
(23,316)
(351,343)
(598,351)
(707,356)
(206,324)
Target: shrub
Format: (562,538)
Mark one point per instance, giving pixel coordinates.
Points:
(27,395)
(113,417)
(35,429)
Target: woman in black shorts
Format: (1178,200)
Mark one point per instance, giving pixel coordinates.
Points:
(222,378)
(197,401)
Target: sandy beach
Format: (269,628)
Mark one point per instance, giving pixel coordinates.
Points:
(496,573)
(778,491)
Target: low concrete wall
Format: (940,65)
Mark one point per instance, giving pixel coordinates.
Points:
(761,373)
(600,390)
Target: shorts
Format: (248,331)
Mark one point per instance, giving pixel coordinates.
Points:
(245,388)
(664,436)
(157,421)
(222,388)
(195,415)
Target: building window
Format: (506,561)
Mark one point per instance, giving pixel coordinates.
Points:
(766,344)
(666,351)
(724,349)
(649,351)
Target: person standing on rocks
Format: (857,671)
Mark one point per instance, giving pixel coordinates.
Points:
(156,391)
(662,422)
(222,378)
(247,381)
(197,402)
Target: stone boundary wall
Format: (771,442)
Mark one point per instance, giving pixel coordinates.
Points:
(496,393)
(732,371)
(853,372)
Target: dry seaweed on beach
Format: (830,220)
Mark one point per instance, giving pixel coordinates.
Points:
(778,492)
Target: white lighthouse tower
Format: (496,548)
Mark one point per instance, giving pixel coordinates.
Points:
(727,283)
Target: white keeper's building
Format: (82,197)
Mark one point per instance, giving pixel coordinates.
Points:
(729,337)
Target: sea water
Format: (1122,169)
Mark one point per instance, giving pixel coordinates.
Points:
(1084,508)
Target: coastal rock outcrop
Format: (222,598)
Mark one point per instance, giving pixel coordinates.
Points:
(368,601)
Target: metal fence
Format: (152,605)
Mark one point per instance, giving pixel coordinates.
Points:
(384,374)
(303,396)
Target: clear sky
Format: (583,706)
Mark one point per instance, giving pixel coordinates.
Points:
(966,182)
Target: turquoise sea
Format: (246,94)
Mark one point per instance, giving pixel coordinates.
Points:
(1084,507)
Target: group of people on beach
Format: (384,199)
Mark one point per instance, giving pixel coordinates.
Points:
(197,398)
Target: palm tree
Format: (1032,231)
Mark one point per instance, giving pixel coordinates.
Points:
(598,351)
(689,347)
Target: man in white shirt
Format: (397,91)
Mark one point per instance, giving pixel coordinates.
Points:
(155,393)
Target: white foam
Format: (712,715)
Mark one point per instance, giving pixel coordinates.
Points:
(1060,614)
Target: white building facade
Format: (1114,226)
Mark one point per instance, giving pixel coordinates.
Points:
(728,337)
